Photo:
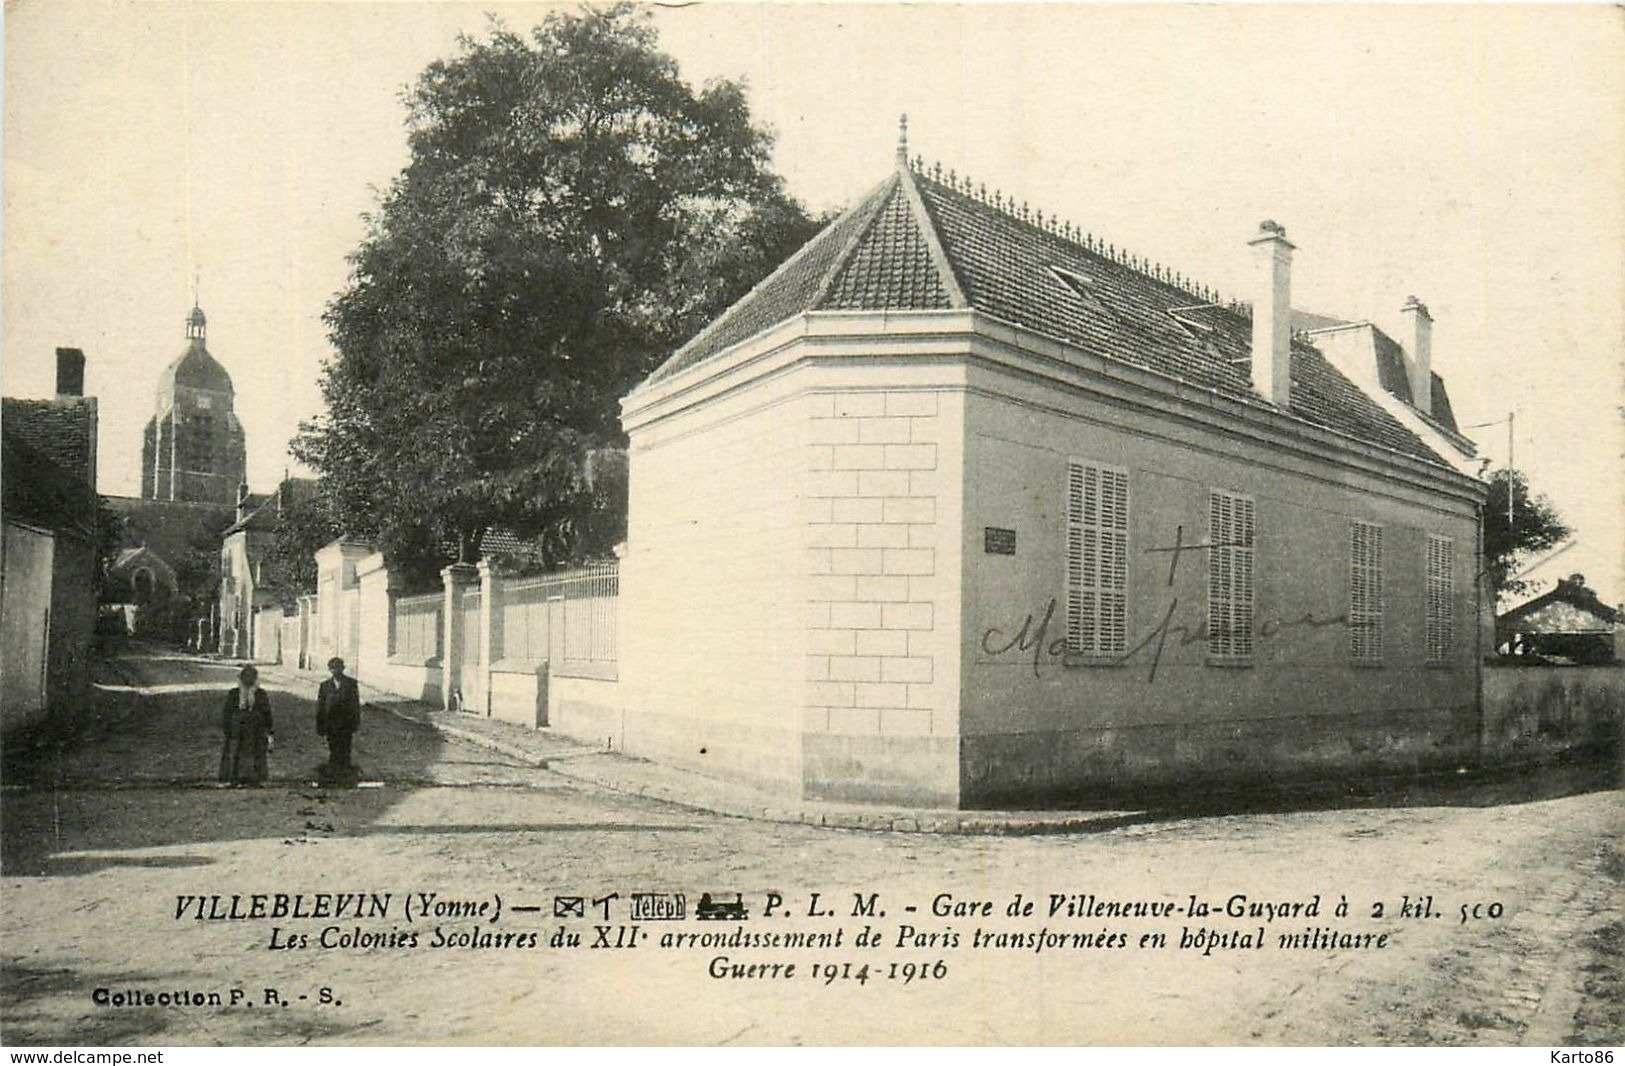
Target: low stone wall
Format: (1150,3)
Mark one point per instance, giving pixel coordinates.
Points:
(1539,713)
(412,678)
(517,692)
(268,635)
(450,648)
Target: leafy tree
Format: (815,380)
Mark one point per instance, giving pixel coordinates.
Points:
(1534,526)
(304,525)
(109,530)
(197,587)
(571,212)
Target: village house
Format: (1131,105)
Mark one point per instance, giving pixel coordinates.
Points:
(251,580)
(138,579)
(963,506)
(48,555)
(1570,623)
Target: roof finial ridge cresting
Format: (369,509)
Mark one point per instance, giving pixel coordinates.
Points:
(902,140)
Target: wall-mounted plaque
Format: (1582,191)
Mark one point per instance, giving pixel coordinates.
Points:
(999,541)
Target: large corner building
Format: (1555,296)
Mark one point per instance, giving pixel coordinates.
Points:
(962,506)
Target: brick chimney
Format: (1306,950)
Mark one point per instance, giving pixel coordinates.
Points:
(1272,314)
(1419,355)
(70,373)
(242,500)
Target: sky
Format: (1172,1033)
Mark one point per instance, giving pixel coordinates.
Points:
(1471,155)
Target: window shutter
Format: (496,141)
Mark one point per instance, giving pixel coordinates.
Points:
(1365,591)
(1441,577)
(1096,559)
(1230,575)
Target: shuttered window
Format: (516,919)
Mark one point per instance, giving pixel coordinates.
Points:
(1096,559)
(1441,587)
(1365,591)
(1230,575)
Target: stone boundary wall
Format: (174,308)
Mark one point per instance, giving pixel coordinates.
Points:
(463,664)
(1536,714)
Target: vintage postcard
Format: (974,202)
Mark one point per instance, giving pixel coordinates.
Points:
(752,524)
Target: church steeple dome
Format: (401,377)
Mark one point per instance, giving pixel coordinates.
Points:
(193,447)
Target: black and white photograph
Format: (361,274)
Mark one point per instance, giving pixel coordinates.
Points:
(749,524)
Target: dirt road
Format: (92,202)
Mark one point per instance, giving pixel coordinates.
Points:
(121,861)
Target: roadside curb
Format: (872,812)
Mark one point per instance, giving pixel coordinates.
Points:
(624,774)
(588,766)
(885,820)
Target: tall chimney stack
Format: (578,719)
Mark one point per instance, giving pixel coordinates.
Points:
(70,373)
(242,500)
(1419,363)
(1272,314)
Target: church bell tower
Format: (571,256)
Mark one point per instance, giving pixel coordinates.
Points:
(193,449)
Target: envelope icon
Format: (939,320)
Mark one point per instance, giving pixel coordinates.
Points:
(569,906)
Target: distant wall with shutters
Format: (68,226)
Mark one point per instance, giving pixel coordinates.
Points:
(1238,658)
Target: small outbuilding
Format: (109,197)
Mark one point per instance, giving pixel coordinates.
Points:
(48,552)
(1570,623)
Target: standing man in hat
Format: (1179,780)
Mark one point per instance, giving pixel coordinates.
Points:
(338,716)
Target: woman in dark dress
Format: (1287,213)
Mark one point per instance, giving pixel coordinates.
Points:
(245,719)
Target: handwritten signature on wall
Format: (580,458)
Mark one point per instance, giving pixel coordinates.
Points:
(1036,639)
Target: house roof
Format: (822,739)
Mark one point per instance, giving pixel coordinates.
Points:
(497,539)
(1303,321)
(259,512)
(264,509)
(916,242)
(35,488)
(129,560)
(1546,614)
(61,430)
(1391,373)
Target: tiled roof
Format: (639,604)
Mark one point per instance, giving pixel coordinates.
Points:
(891,266)
(1571,591)
(879,256)
(58,430)
(500,540)
(1307,320)
(1392,375)
(788,291)
(35,488)
(496,540)
(1442,411)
